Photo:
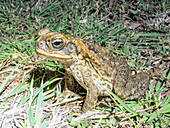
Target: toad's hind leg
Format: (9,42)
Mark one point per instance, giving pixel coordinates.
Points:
(135,87)
(128,86)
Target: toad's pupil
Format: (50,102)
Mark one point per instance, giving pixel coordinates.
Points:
(57,42)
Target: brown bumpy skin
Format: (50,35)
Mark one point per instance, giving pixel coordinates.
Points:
(94,67)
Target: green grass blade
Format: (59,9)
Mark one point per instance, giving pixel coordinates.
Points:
(153,34)
(39,101)
(4,83)
(122,103)
(31,116)
(17,89)
(44,85)
(165,109)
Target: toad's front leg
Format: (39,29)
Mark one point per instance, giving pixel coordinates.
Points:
(91,99)
(92,92)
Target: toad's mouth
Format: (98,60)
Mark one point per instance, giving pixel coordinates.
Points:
(56,56)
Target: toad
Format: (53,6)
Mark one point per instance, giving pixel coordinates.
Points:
(94,67)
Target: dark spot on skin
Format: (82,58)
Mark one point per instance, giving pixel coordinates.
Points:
(86,56)
(78,53)
(90,46)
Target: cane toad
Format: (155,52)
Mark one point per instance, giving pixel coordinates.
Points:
(94,67)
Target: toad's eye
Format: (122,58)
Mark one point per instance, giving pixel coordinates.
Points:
(57,43)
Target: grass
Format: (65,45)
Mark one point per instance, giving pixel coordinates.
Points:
(29,87)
